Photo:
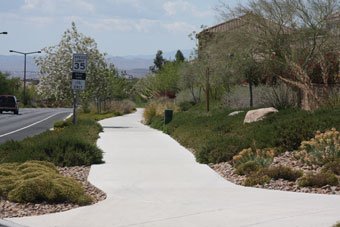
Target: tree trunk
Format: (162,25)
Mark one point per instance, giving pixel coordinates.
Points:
(251,93)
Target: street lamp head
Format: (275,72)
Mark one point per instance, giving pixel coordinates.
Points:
(11,51)
(39,52)
(5,33)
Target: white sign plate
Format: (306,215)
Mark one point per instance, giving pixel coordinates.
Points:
(78,85)
(79,63)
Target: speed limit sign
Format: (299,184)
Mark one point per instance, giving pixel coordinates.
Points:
(79,63)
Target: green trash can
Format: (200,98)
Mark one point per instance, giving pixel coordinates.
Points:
(168,116)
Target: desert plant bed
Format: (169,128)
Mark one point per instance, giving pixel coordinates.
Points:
(292,150)
(58,162)
(217,137)
(10,209)
(288,159)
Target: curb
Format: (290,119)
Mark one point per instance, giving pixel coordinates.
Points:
(4,223)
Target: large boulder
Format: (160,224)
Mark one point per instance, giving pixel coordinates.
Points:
(259,114)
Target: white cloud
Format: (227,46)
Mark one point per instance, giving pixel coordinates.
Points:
(179,27)
(36,21)
(124,25)
(173,8)
(180,6)
(58,6)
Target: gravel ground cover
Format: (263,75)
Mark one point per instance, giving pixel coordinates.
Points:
(80,173)
(227,171)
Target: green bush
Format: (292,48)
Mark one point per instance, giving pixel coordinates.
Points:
(256,179)
(185,106)
(36,181)
(333,166)
(247,168)
(282,172)
(61,124)
(318,180)
(75,145)
(217,137)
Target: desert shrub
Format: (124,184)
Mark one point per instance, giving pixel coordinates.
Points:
(36,181)
(333,166)
(318,180)
(279,97)
(247,168)
(323,148)
(261,157)
(123,107)
(157,107)
(282,172)
(256,179)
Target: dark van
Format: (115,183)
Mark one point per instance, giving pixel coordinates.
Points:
(9,103)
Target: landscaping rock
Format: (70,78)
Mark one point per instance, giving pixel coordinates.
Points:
(235,113)
(259,114)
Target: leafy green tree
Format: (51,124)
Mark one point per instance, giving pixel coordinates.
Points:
(159,62)
(167,79)
(9,86)
(189,80)
(179,56)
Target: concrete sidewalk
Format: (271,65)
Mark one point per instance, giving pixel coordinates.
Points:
(152,181)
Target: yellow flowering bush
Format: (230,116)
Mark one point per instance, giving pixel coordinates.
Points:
(323,148)
(261,157)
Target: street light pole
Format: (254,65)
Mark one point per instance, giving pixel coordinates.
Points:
(25,54)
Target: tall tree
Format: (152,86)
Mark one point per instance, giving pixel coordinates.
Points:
(291,39)
(56,68)
(9,86)
(179,56)
(159,62)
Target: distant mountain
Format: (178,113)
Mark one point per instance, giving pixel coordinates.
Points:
(137,66)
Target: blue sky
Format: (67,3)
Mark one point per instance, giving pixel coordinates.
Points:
(120,27)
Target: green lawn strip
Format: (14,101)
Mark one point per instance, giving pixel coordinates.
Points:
(217,137)
(67,145)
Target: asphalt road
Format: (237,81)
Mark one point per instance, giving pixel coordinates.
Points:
(29,122)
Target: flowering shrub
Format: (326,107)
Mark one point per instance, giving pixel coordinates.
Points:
(261,157)
(323,148)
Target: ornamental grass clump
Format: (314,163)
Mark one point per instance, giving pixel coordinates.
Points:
(247,168)
(318,180)
(261,157)
(323,148)
(39,181)
(282,172)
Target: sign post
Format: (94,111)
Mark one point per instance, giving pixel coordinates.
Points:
(78,80)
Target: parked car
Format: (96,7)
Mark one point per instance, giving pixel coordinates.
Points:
(9,103)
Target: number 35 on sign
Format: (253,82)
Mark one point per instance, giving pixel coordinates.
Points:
(79,63)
